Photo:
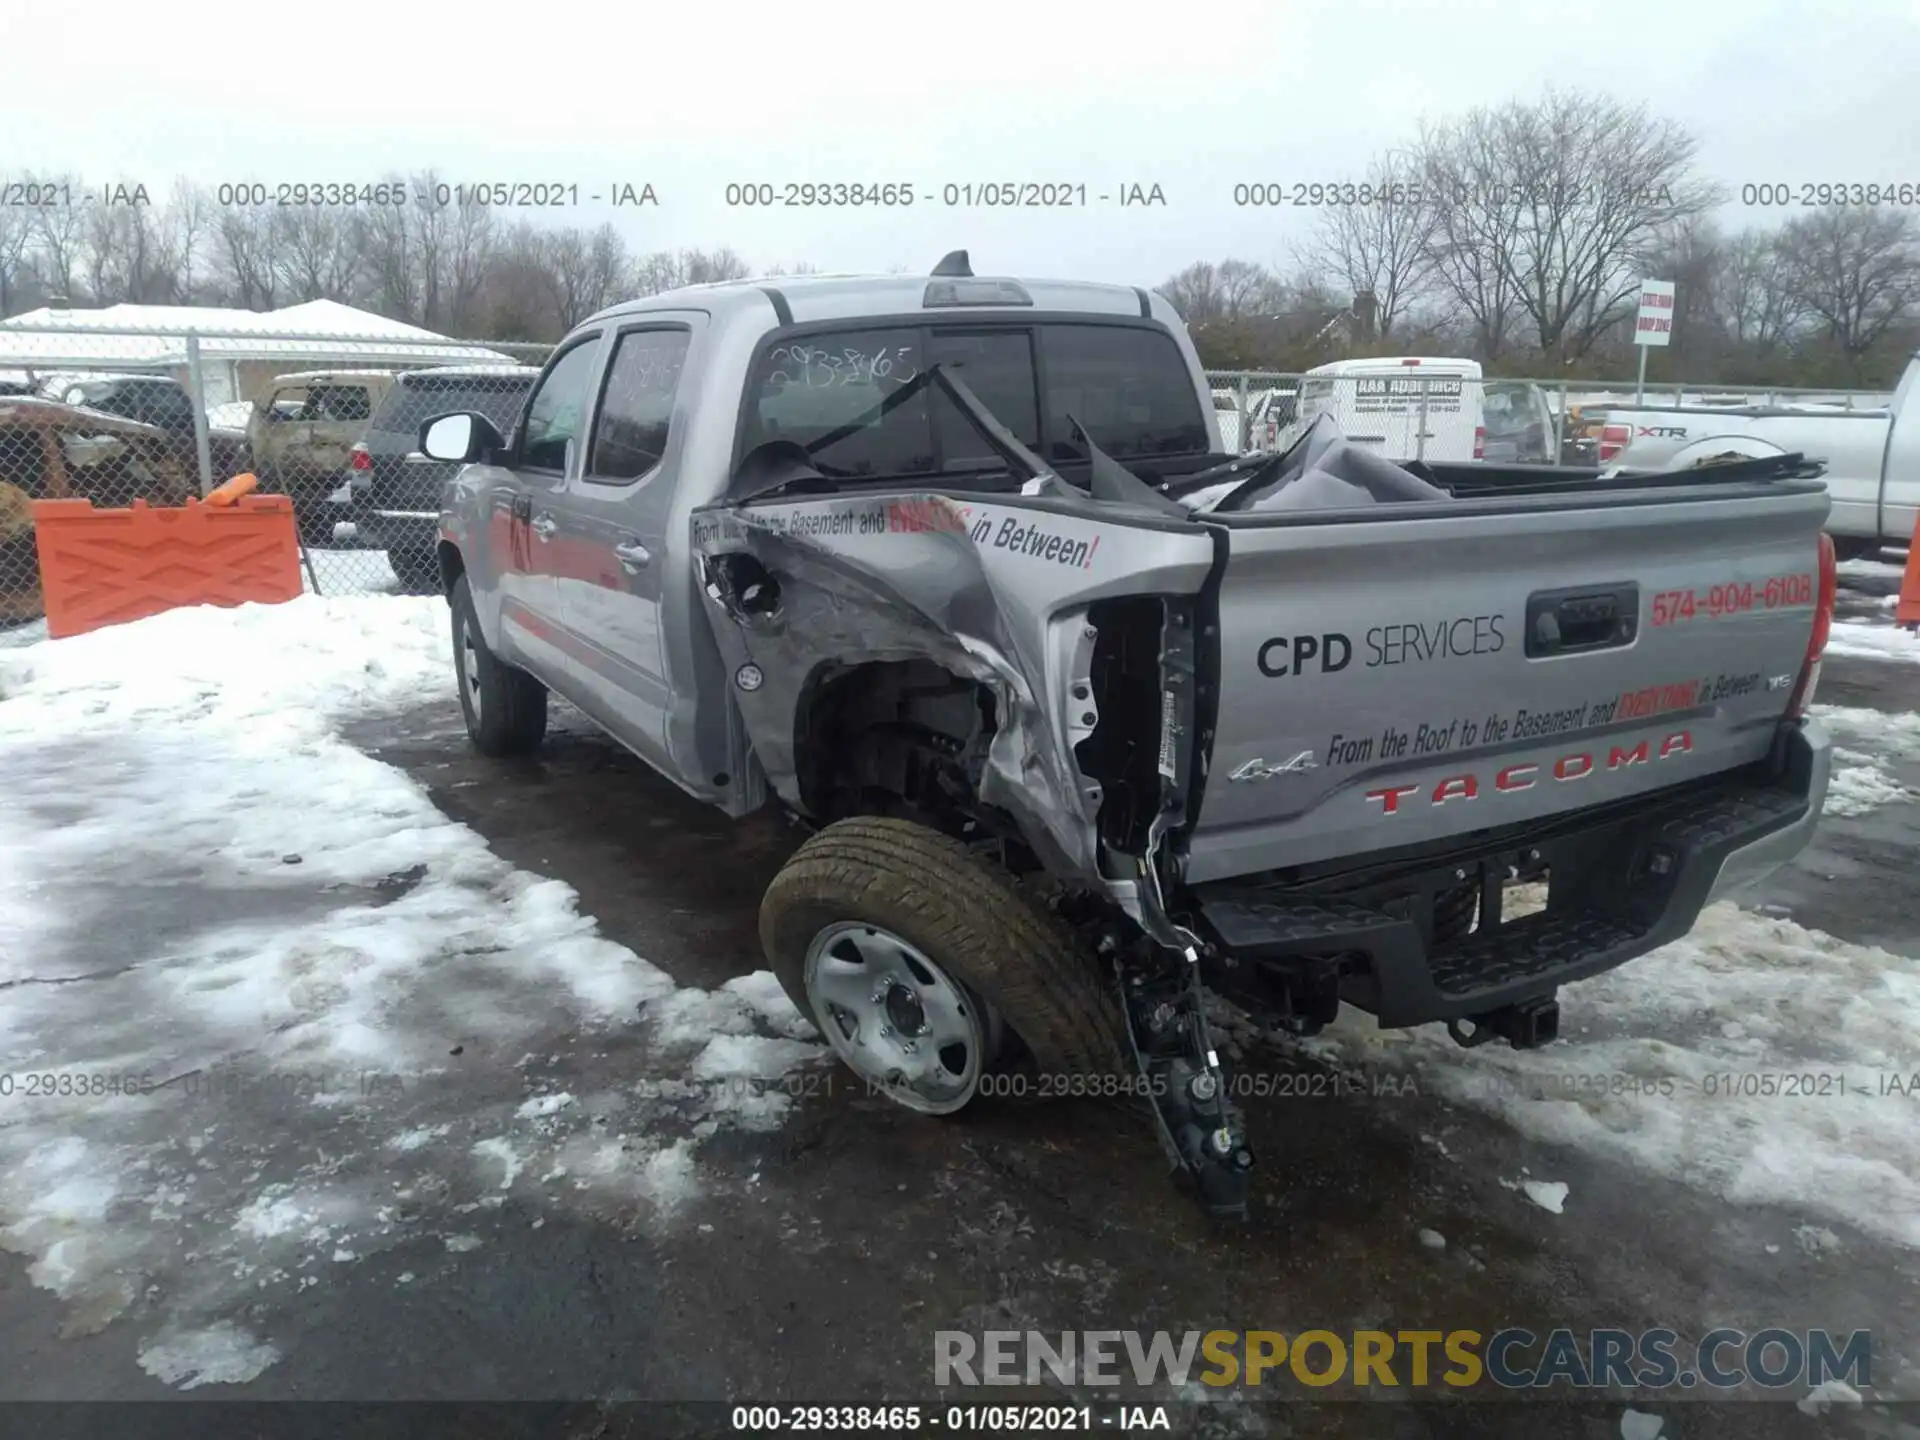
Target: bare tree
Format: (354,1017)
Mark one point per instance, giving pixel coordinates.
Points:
(391,259)
(1382,244)
(189,222)
(317,252)
(130,256)
(1754,300)
(1544,207)
(1857,270)
(587,272)
(468,254)
(1206,293)
(60,235)
(16,233)
(671,269)
(246,241)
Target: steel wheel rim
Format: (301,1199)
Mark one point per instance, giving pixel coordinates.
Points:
(469,664)
(896,1019)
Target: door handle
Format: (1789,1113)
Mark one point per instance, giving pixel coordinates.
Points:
(544,525)
(633,555)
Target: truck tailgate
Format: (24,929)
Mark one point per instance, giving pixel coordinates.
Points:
(1386,682)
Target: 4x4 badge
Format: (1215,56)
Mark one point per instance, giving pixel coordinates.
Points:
(1260,770)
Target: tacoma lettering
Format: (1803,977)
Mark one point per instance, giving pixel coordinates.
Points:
(1524,776)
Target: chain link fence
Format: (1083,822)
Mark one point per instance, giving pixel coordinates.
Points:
(327,415)
(324,405)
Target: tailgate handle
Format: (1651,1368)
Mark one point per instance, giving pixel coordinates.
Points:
(1592,617)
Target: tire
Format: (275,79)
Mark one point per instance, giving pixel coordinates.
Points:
(970,920)
(418,574)
(505,707)
(1847,547)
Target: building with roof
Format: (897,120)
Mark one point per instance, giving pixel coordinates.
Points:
(240,350)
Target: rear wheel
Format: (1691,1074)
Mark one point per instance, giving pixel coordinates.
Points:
(417,572)
(505,707)
(910,952)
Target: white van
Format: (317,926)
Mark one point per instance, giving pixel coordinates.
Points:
(1377,403)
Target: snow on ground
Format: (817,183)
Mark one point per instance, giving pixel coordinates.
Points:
(268,1012)
(1864,741)
(350,572)
(1871,569)
(1873,642)
(1751,1059)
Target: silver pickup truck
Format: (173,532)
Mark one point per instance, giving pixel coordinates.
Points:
(1872,456)
(1089,720)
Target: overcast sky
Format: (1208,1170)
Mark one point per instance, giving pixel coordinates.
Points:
(689,97)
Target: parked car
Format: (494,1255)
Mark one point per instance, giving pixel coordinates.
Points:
(395,490)
(1872,456)
(156,400)
(54,451)
(1271,417)
(1083,715)
(302,435)
(1520,426)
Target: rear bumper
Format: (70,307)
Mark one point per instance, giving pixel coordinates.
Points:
(387,528)
(1621,882)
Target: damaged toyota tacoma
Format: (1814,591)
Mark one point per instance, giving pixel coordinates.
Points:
(1088,721)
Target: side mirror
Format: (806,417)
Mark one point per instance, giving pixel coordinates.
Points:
(458,439)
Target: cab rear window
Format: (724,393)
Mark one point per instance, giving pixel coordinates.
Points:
(848,396)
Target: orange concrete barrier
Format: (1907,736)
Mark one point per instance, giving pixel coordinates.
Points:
(102,567)
(1907,612)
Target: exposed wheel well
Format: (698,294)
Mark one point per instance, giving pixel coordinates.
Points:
(904,738)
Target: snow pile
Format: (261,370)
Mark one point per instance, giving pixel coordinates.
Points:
(289,1014)
(1872,642)
(1864,740)
(1870,569)
(1755,1059)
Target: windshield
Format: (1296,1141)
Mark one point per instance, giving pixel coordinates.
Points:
(418,398)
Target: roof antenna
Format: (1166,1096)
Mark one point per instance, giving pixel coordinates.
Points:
(954,262)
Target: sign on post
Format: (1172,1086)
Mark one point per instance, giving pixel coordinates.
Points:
(1652,326)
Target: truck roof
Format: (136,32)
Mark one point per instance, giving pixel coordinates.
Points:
(807,298)
(45,414)
(1380,365)
(309,377)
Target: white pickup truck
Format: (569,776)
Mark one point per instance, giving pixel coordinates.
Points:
(1872,456)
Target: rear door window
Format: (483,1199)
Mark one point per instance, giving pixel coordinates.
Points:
(630,434)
